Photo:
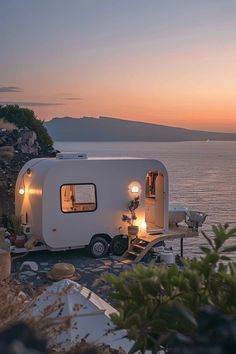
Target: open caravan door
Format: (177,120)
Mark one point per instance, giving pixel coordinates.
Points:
(155,202)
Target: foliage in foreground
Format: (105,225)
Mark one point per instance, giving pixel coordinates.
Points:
(24,117)
(155,302)
(23,333)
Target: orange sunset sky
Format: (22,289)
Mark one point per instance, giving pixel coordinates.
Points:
(165,62)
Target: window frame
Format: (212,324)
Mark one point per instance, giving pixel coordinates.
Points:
(80,211)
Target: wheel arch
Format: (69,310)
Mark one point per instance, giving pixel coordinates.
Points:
(105,236)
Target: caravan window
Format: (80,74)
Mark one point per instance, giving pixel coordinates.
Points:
(77,198)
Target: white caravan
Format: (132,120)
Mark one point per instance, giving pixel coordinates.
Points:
(72,201)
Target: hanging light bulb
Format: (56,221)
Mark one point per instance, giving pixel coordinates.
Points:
(21,191)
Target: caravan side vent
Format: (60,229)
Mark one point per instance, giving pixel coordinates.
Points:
(71,155)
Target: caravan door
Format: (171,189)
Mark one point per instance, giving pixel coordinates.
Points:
(154,202)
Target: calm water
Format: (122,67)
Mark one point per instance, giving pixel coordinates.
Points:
(202,175)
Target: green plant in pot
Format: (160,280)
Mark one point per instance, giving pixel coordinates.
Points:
(132,229)
(16,230)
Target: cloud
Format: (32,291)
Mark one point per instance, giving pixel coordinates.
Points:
(73,98)
(31,104)
(10,89)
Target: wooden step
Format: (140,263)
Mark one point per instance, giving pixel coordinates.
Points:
(141,243)
(144,244)
(133,253)
(147,240)
(138,246)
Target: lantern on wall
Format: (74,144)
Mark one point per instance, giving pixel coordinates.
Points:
(134,189)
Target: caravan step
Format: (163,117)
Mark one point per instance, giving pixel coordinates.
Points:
(137,245)
(139,248)
(133,253)
(144,244)
(144,241)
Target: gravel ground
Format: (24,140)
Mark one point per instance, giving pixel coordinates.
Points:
(90,270)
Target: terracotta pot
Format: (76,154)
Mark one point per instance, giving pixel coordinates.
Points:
(20,241)
(133,230)
(5,265)
(12,238)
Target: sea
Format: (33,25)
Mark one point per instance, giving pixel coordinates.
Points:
(202,176)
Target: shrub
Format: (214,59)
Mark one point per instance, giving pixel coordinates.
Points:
(156,301)
(24,117)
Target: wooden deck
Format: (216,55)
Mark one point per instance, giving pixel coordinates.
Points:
(139,248)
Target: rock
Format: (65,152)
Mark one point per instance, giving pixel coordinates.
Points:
(31,265)
(7,152)
(5,264)
(17,146)
(27,142)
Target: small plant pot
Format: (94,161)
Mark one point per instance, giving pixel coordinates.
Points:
(20,241)
(12,239)
(133,231)
(5,265)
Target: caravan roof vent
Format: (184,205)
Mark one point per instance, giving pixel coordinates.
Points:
(71,156)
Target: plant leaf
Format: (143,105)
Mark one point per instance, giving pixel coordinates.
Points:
(225,258)
(205,249)
(229,249)
(208,239)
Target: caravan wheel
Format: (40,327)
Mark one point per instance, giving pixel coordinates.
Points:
(98,247)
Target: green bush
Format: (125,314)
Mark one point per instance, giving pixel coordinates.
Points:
(24,117)
(156,301)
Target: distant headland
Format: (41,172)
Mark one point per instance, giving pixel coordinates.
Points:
(114,129)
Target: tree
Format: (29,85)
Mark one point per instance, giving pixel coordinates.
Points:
(24,117)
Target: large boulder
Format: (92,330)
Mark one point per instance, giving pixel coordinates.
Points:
(17,146)
(27,142)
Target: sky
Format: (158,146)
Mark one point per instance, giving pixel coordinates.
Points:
(170,62)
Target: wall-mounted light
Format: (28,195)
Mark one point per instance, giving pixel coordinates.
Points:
(134,189)
(29,172)
(21,191)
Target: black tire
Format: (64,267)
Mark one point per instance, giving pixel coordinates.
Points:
(98,247)
(119,245)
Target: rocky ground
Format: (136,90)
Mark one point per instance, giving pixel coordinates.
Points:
(89,271)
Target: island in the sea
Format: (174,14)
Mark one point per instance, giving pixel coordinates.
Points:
(114,129)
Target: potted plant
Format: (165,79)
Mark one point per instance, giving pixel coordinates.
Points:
(16,230)
(132,229)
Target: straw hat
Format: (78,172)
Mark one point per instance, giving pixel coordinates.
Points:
(62,271)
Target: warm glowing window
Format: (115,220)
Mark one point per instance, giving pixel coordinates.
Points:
(78,198)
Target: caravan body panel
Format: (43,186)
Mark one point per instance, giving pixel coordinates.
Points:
(61,228)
